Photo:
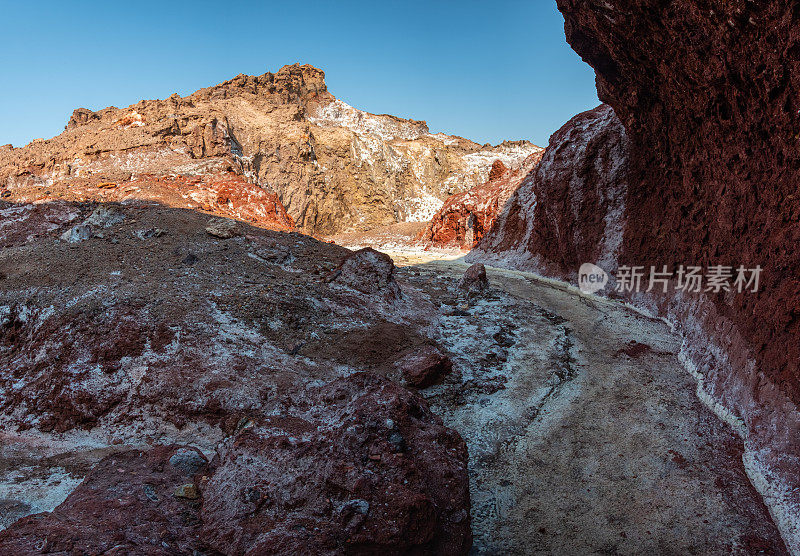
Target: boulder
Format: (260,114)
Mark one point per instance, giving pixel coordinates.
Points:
(474,281)
(424,367)
(369,271)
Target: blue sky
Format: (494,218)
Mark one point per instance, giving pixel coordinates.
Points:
(484,70)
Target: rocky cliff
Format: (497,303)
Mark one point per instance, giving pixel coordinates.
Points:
(466,217)
(705,173)
(333,167)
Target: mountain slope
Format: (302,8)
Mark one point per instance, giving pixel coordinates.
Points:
(333,167)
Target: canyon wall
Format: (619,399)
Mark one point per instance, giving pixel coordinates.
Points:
(705,173)
(333,167)
(465,217)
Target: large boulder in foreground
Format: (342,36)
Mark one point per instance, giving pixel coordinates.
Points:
(707,95)
(358,466)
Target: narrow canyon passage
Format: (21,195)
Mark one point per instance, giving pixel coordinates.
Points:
(584,431)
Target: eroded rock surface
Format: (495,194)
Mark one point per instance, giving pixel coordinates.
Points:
(277,140)
(358,466)
(704,174)
(466,217)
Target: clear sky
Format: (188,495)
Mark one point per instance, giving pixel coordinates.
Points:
(488,71)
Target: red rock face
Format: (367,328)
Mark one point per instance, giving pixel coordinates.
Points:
(569,209)
(708,174)
(359,466)
(466,217)
(128,505)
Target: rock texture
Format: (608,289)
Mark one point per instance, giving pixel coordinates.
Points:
(707,94)
(359,466)
(127,505)
(168,326)
(466,217)
(276,139)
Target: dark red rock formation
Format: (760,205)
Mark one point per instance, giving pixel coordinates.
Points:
(466,217)
(569,209)
(359,466)
(708,94)
(127,505)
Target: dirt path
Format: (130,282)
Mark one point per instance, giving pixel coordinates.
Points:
(584,431)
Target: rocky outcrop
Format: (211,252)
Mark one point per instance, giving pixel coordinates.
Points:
(169,326)
(707,94)
(571,208)
(333,167)
(358,466)
(466,217)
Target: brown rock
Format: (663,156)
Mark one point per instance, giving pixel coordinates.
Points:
(424,367)
(474,282)
(369,271)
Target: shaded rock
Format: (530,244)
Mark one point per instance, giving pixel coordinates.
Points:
(424,367)
(224,228)
(369,271)
(331,476)
(105,216)
(474,282)
(77,233)
(125,505)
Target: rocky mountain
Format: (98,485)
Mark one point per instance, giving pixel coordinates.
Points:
(695,162)
(334,168)
(466,217)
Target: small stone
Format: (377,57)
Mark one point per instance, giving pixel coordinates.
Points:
(188,491)
(150,492)
(474,282)
(78,233)
(150,232)
(223,228)
(189,461)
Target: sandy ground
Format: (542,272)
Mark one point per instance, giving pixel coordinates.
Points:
(584,430)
